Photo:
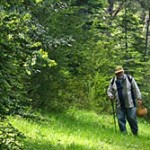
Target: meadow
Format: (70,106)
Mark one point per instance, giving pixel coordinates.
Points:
(79,130)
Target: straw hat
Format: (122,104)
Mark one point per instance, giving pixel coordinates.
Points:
(119,69)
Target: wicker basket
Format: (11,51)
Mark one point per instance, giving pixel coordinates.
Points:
(141,111)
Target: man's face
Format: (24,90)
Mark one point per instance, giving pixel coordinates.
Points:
(119,75)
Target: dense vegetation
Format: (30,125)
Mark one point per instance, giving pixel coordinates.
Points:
(61,54)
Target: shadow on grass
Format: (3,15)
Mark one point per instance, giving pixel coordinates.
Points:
(31,144)
(84,123)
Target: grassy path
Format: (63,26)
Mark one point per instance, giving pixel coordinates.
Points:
(79,130)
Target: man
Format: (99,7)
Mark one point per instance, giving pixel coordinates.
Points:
(125,90)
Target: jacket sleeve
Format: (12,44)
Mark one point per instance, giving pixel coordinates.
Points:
(136,89)
(110,91)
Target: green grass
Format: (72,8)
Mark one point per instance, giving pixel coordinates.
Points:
(79,130)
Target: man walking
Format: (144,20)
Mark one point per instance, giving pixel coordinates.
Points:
(124,89)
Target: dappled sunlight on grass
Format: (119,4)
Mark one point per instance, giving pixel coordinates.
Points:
(77,130)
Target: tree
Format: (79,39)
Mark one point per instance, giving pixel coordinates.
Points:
(21,51)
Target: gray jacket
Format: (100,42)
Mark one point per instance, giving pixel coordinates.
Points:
(126,91)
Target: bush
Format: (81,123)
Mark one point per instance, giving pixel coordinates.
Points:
(9,136)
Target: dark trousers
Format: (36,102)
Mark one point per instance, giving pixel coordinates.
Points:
(129,115)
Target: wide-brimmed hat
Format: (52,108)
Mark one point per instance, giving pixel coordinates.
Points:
(118,69)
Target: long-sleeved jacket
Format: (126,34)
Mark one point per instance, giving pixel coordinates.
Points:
(126,91)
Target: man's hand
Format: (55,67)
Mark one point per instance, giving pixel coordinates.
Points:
(111,97)
(139,101)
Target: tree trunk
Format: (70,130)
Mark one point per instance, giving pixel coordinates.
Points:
(111,7)
(147,32)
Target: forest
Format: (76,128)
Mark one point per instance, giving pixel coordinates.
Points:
(59,55)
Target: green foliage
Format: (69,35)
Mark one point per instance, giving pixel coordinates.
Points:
(10,138)
(53,83)
(21,54)
(86,44)
(12,88)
